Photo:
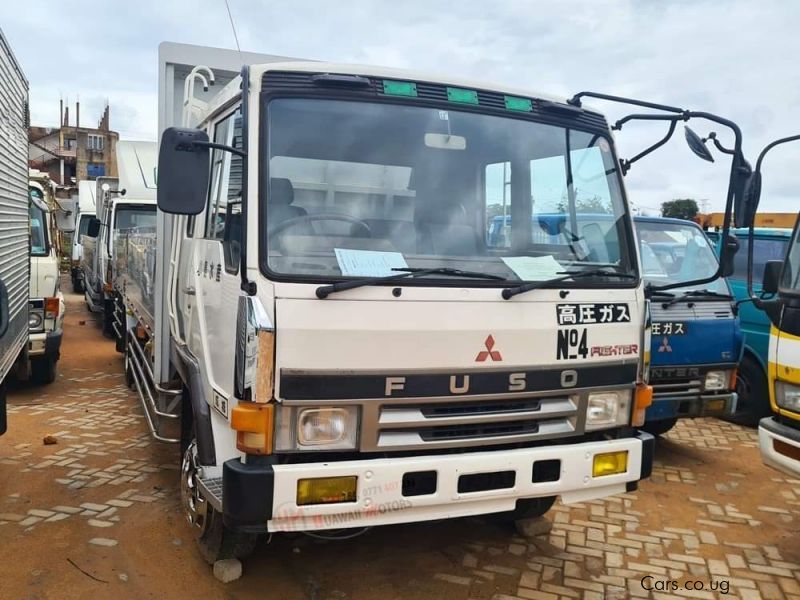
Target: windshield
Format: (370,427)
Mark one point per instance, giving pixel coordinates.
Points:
(130,217)
(356,189)
(790,278)
(38,218)
(672,253)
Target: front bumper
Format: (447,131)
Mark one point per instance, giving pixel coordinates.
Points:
(780,446)
(45,343)
(701,405)
(264,496)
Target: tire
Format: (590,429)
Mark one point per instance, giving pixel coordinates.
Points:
(77,285)
(527,508)
(753,391)
(660,427)
(108,319)
(214,540)
(43,369)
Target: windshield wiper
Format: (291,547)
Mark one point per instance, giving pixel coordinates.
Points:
(696,294)
(324,291)
(509,293)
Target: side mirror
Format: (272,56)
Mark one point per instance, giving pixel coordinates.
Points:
(772,276)
(727,255)
(183,171)
(93,229)
(697,145)
(745,207)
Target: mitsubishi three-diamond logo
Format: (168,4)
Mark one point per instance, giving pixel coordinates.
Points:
(490,352)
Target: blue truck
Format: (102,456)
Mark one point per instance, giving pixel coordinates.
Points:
(751,381)
(696,339)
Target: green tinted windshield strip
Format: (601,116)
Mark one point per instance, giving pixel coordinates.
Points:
(519,104)
(399,88)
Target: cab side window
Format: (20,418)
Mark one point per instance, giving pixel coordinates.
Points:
(224,214)
(764,250)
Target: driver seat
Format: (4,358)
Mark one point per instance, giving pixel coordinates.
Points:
(279,203)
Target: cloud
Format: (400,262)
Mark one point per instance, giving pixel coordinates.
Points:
(736,58)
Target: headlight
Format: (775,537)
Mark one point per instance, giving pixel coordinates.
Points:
(34,320)
(787,396)
(608,409)
(716,380)
(334,428)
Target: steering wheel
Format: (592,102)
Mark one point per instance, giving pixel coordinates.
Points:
(281,228)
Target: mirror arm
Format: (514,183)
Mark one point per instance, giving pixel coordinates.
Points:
(625,165)
(713,137)
(223,147)
(771,145)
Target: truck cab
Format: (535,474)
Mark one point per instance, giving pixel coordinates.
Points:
(46,301)
(769,244)
(696,337)
(348,343)
(779,434)
(86,210)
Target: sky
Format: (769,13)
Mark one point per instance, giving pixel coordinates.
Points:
(737,59)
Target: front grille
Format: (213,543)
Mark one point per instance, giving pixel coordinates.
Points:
(689,311)
(463,432)
(677,388)
(461,423)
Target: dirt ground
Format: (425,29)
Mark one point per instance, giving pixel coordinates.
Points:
(97,515)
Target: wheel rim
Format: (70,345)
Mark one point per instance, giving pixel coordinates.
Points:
(194,504)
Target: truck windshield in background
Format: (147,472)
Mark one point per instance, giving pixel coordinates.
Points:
(672,253)
(135,217)
(39,243)
(422,187)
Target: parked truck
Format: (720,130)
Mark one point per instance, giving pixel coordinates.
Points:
(696,337)
(779,434)
(123,203)
(14,235)
(46,301)
(324,323)
(86,210)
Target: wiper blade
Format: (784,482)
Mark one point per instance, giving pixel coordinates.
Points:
(324,291)
(696,294)
(509,293)
(449,271)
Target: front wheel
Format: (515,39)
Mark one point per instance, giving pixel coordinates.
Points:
(77,285)
(43,369)
(753,392)
(527,508)
(214,540)
(660,427)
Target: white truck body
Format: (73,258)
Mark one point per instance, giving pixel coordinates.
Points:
(448,379)
(14,237)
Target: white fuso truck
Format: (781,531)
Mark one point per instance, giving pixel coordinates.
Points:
(14,237)
(370,299)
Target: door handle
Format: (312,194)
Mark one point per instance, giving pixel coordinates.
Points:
(189,291)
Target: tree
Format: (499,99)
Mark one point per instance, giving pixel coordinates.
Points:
(680,208)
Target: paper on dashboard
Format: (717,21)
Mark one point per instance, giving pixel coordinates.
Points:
(368,263)
(534,268)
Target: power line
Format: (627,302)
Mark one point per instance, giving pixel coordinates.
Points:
(233,27)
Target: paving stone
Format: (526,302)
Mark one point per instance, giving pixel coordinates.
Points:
(36,512)
(103,542)
(11,517)
(29,521)
(440,576)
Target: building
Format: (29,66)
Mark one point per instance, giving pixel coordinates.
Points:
(71,153)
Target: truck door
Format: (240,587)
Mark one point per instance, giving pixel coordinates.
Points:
(216,261)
